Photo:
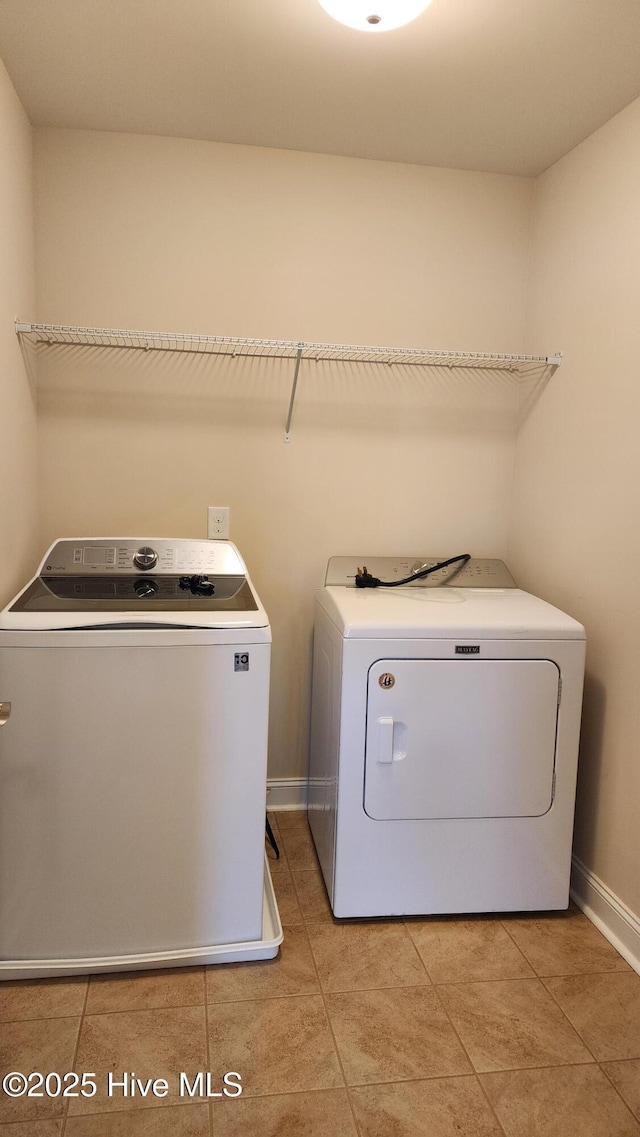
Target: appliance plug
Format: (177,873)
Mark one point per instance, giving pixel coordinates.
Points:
(364,579)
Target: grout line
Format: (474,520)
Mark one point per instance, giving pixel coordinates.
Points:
(517,945)
(121,1114)
(572,1025)
(542,1066)
(335,1042)
(474,1072)
(489,1103)
(528,978)
(471,1074)
(41,1019)
(419,953)
(98,1014)
(503,924)
(207,1049)
(328,1017)
(340,991)
(612,1083)
(65,1112)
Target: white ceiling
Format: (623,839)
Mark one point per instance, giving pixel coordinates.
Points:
(502,85)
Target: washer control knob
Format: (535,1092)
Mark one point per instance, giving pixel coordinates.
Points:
(145,587)
(145,558)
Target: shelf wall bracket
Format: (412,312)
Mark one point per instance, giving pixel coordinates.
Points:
(287,429)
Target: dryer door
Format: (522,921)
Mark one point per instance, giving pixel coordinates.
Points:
(460,738)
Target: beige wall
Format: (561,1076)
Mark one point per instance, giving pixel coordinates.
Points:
(175,235)
(18,454)
(575,534)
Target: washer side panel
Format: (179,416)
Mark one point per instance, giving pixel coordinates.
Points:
(131,798)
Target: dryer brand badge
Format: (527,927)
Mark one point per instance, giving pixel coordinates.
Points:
(467,649)
(387,680)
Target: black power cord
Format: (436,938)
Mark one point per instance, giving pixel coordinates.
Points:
(199,585)
(364,579)
(272,840)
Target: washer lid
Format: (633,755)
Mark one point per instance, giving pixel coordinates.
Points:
(408,612)
(143,582)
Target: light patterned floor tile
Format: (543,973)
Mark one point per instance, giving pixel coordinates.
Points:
(42,999)
(299,848)
(151,1044)
(559,1101)
(287,898)
(145,990)
(605,1010)
(277,1045)
(394,1034)
(174,1121)
(511,1023)
(312,897)
(456,950)
(564,943)
(292,972)
(323,1113)
(42,1045)
(440,1107)
(365,955)
(292,819)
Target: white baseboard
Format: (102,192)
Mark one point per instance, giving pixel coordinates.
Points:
(286,793)
(618,923)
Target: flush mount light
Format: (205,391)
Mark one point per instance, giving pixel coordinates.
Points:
(374,15)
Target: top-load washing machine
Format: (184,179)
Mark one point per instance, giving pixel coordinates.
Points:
(134,683)
(444,741)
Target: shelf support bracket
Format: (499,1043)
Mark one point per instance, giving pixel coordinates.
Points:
(287,429)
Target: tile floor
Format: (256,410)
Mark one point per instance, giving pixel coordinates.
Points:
(438,1027)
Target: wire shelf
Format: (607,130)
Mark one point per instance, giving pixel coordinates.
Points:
(281,349)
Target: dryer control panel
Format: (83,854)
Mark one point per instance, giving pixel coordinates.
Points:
(476,573)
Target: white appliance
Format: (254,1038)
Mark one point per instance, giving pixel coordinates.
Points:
(444,741)
(134,681)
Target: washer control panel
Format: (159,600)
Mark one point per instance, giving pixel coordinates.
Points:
(477,573)
(104,557)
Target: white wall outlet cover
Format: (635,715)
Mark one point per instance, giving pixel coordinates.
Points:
(218,522)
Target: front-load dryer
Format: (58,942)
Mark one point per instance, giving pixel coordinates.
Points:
(444,741)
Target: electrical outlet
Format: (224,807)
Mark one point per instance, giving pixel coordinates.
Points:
(218,522)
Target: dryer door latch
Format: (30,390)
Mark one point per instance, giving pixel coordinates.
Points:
(385,739)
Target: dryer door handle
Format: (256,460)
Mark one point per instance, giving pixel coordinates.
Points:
(385,739)
(5,711)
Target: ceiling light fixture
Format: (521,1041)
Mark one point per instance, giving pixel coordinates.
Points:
(374,15)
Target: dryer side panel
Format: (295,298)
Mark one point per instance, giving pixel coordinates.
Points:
(325,742)
(460,738)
